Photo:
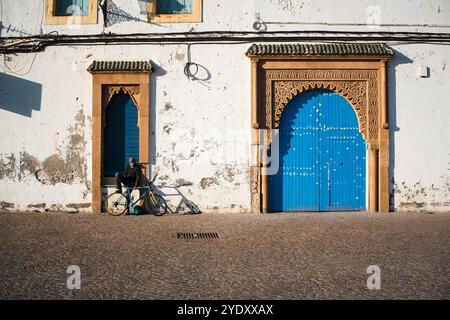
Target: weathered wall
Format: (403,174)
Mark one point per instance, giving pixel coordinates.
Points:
(196,138)
(419,117)
(200,129)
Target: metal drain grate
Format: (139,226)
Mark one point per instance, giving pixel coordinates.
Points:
(198,235)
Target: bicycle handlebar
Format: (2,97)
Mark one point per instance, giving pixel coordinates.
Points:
(154,178)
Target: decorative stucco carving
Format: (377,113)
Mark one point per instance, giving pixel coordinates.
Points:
(374,148)
(359,87)
(110,90)
(132,90)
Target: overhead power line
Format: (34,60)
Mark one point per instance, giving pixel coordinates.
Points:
(39,43)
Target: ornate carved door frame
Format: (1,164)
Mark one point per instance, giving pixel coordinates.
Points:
(360,79)
(105,85)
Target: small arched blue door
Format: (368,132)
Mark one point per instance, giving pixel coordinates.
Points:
(121,134)
(322,156)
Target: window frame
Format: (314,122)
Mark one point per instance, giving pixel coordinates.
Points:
(195,17)
(52,18)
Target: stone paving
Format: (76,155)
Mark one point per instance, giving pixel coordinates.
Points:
(276,256)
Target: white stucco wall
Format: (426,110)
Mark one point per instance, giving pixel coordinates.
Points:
(201,129)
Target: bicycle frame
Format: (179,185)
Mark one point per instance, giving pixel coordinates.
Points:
(148,192)
(150,200)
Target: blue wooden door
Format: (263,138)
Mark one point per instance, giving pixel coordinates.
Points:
(322,156)
(121,134)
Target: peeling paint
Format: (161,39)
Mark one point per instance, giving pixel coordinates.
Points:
(79,205)
(171,163)
(228,173)
(6,205)
(168,106)
(39,205)
(164,177)
(55,170)
(289,5)
(179,56)
(72,166)
(183,182)
(8,166)
(167,128)
(68,165)
(412,205)
(28,164)
(76,139)
(207,182)
(420,197)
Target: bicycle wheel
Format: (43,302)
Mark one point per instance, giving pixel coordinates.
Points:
(116,204)
(156,205)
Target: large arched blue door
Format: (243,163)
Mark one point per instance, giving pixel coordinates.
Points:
(121,134)
(322,156)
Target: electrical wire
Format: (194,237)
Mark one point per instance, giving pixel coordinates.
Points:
(7,59)
(189,64)
(329,24)
(33,44)
(244,33)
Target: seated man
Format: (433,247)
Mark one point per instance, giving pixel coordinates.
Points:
(131,176)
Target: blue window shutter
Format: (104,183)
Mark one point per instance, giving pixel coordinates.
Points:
(131,131)
(71,7)
(187,6)
(85,7)
(174,6)
(120,135)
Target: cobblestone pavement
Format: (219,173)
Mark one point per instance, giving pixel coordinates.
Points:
(277,256)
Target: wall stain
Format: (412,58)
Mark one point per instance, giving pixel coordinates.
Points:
(207,182)
(36,206)
(28,164)
(183,182)
(168,106)
(76,139)
(412,205)
(6,205)
(8,166)
(179,56)
(171,163)
(228,173)
(418,197)
(55,170)
(164,178)
(289,5)
(167,128)
(79,205)
(65,166)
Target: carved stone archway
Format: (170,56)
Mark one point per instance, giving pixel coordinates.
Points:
(361,79)
(110,78)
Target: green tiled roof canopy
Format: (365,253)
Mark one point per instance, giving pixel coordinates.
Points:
(326,49)
(120,66)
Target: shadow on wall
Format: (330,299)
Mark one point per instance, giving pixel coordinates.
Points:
(19,95)
(397,60)
(157,72)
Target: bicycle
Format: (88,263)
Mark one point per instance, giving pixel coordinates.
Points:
(118,203)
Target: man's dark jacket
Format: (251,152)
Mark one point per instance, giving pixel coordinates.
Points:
(134,173)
